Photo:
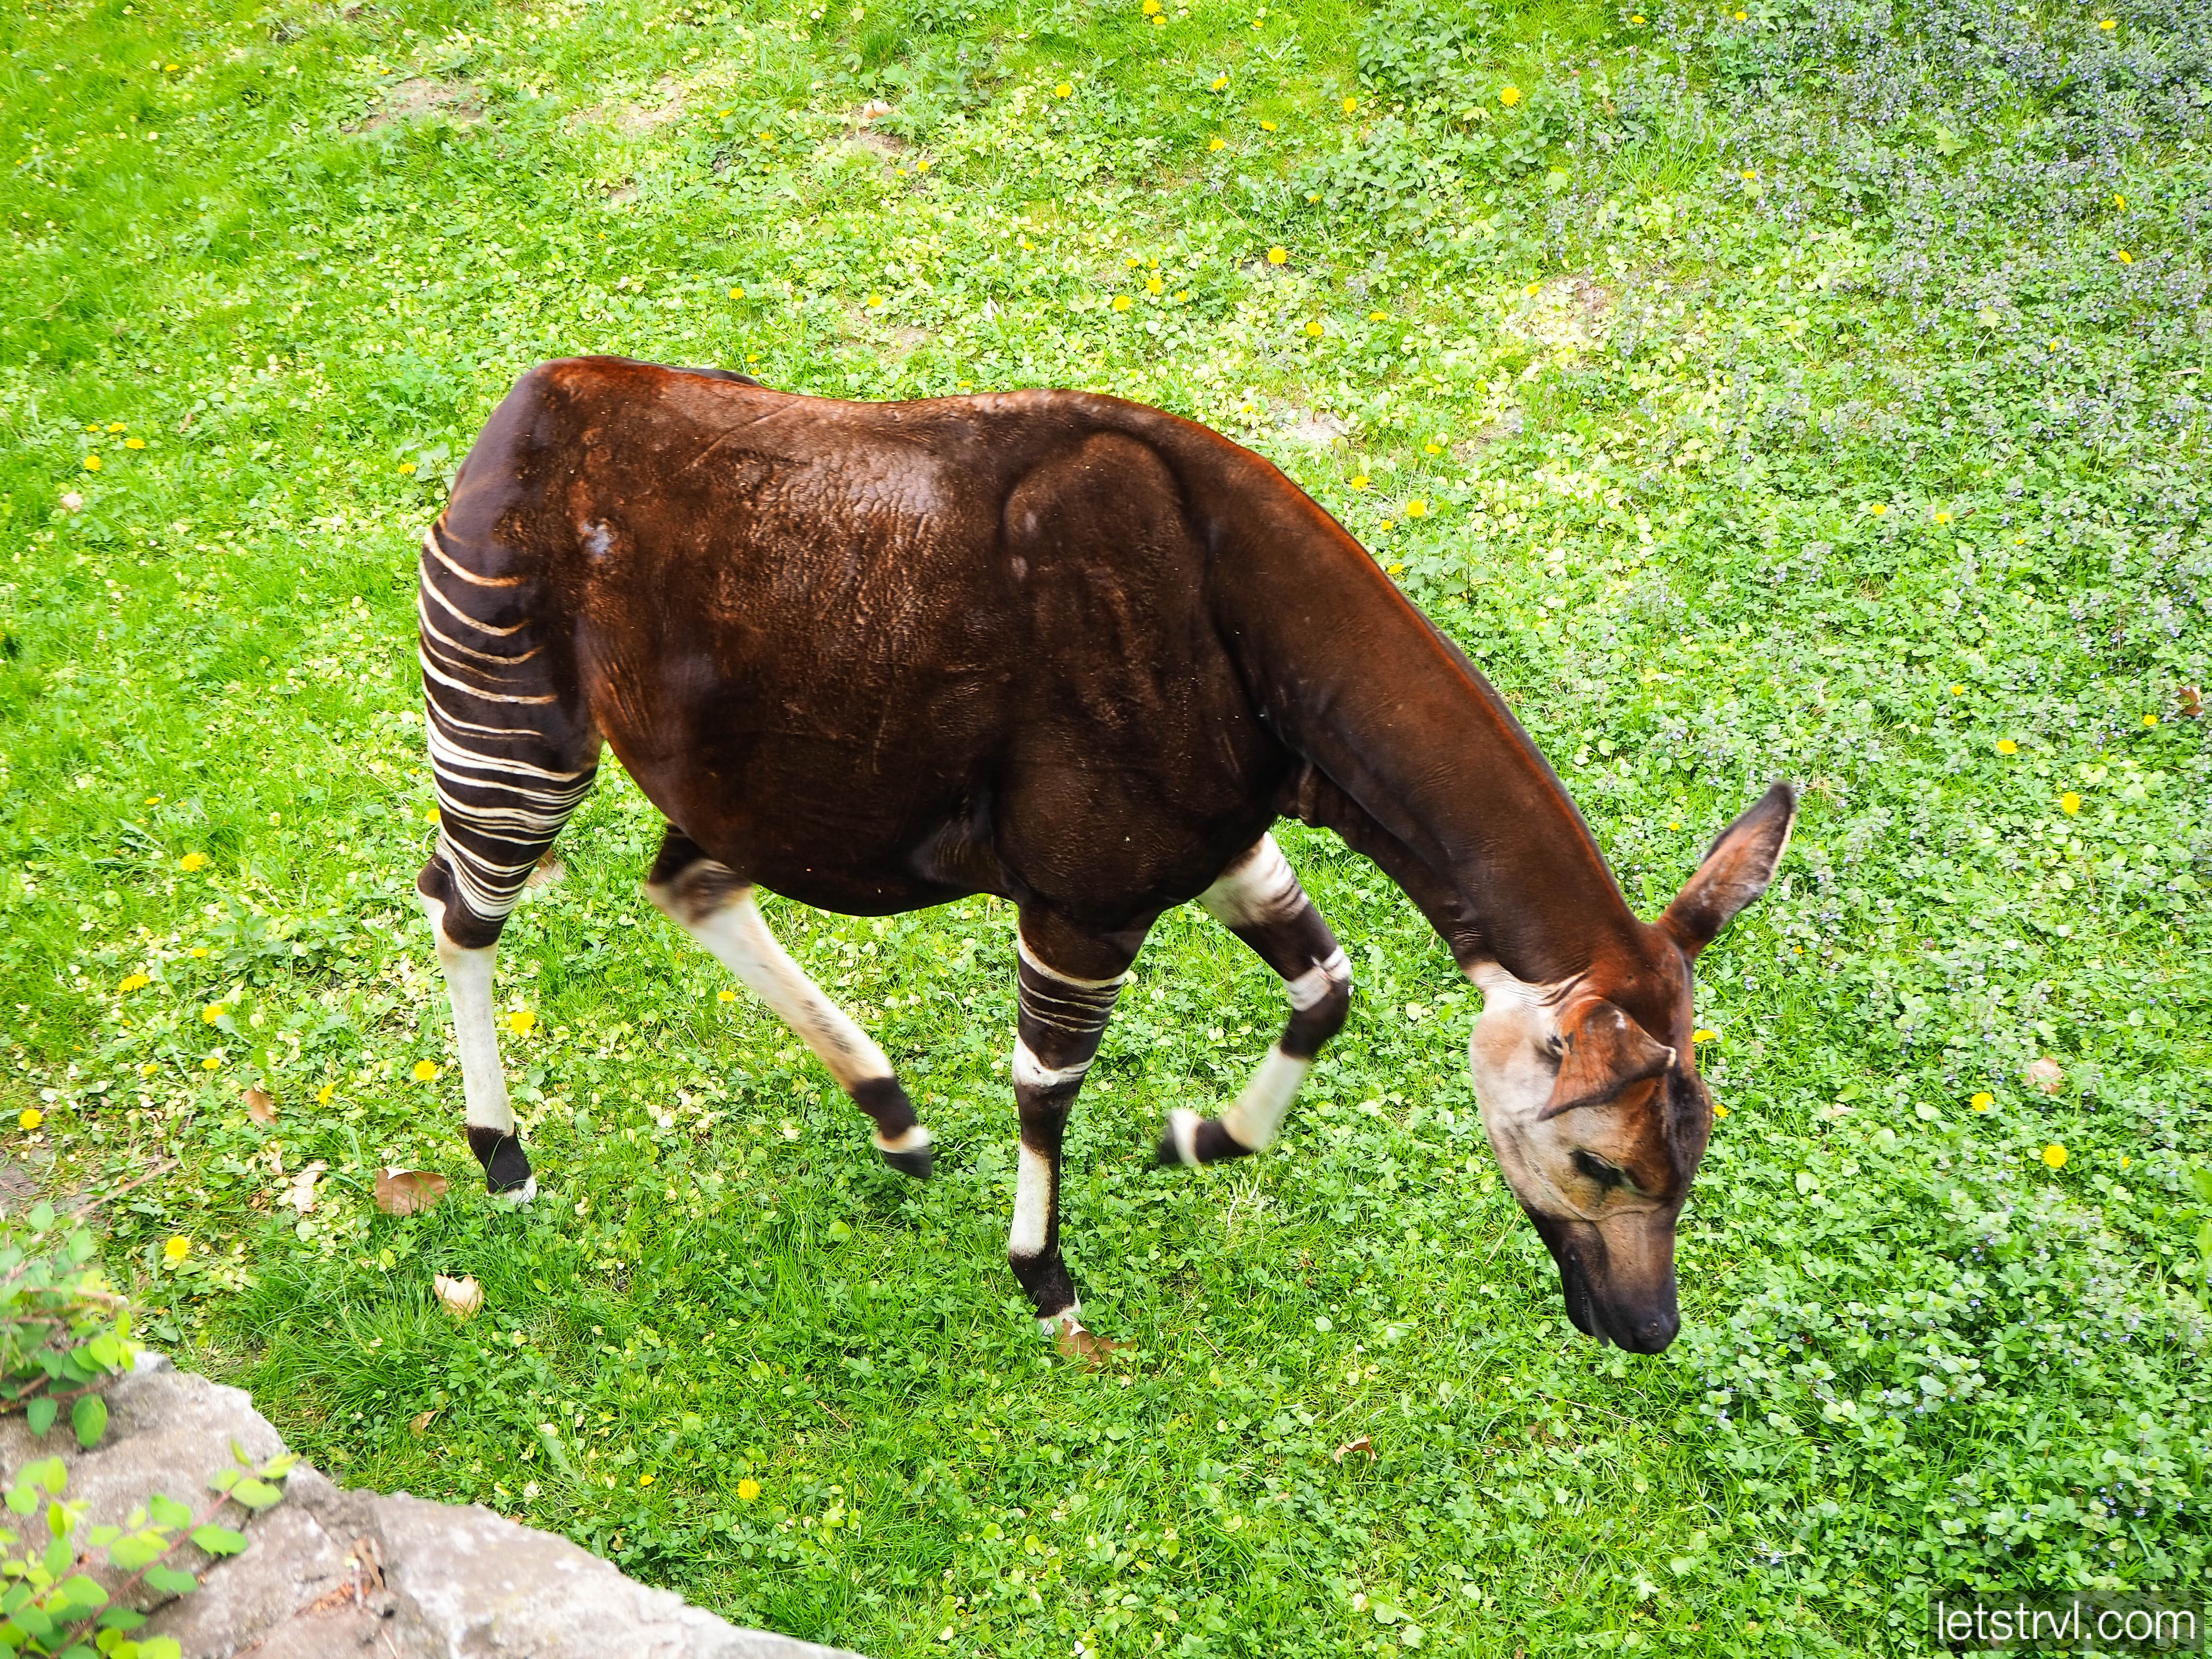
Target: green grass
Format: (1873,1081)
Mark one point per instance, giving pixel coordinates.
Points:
(1777,402)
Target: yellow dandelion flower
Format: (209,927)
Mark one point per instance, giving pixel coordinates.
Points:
(1701,1035)
(726,995)
(1219,82)
(1351,106)
(1877,508)
(2007,747)
(1417,508)
(1151,8)
(212,1013)
(737,292)
(1360,481)
(2055,1156)
(1751,175)
(1741,16)
(2121,254)
(134,443)
(2108,22)
(1379,316)
(645,1480)
(1276,256)
(748,1490)
(1395,569)
(1983,1102)
(1154,285)
(1719,1110)
(2119,201)
(2069,803)
(135,983)
(1218,144)
(200,951)
(1267,126)
(1389,524)
(1942,517)
(875,302)
(522,1022)
(1533,289)
(177,1249)
(2150,719)
(1122,302)
(193,861)
(1315,328)
(213,1062)
(91,463)
(118,426)
(430,815)
(168,69)
(323,1095)
(31,1117)
(1432,449)
(1063,90)
(1959,690)
(149,1069)
(425,1071)
(1508,96)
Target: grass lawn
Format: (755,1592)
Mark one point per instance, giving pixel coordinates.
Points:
(1811,390)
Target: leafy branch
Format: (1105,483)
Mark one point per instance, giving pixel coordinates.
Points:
(54,1609)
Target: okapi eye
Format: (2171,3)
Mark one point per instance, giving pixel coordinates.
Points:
(1554,1048)
(1597,1169)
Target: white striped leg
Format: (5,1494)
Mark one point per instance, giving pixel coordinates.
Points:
(490,1120)
(709,902)
(1062,1020)
(1259,900)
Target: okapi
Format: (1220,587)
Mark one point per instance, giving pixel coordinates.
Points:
(1067,650)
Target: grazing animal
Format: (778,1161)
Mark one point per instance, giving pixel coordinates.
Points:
(1067,650)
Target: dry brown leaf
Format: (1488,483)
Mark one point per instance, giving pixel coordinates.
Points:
(260,1106)
(460,1297)
(2045,1074)
(408,1191)
(1362,1445)
(302,1195)
(420,1423)
(1088,1346)
(2192,702)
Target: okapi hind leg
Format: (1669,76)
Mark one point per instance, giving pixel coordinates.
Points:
(710,902)
(467,962)
(1062,1019)
(1260,901)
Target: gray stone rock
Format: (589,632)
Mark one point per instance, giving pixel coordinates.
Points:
(332,1572)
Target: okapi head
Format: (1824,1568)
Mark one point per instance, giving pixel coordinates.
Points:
(1591,1098)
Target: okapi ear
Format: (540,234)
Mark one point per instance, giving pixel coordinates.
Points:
(1736,869)
(1607,1051)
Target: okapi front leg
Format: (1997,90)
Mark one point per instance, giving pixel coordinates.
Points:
(708,901)
(1062,1019)
(1260,901)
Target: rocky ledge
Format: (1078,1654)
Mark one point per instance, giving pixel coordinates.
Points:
(330,1571)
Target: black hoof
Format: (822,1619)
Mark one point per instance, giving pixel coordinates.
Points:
(506,1166)
(917,1162)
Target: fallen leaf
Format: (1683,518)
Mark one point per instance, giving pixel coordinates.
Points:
(420,1423)
(1362,1445)
(2192,702)
(461,1297)
(1088,1346)
(301,1197)
(2046,1075)
(408,1191)
(260,1106)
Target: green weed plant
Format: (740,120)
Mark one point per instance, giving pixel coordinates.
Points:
(1776,388)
